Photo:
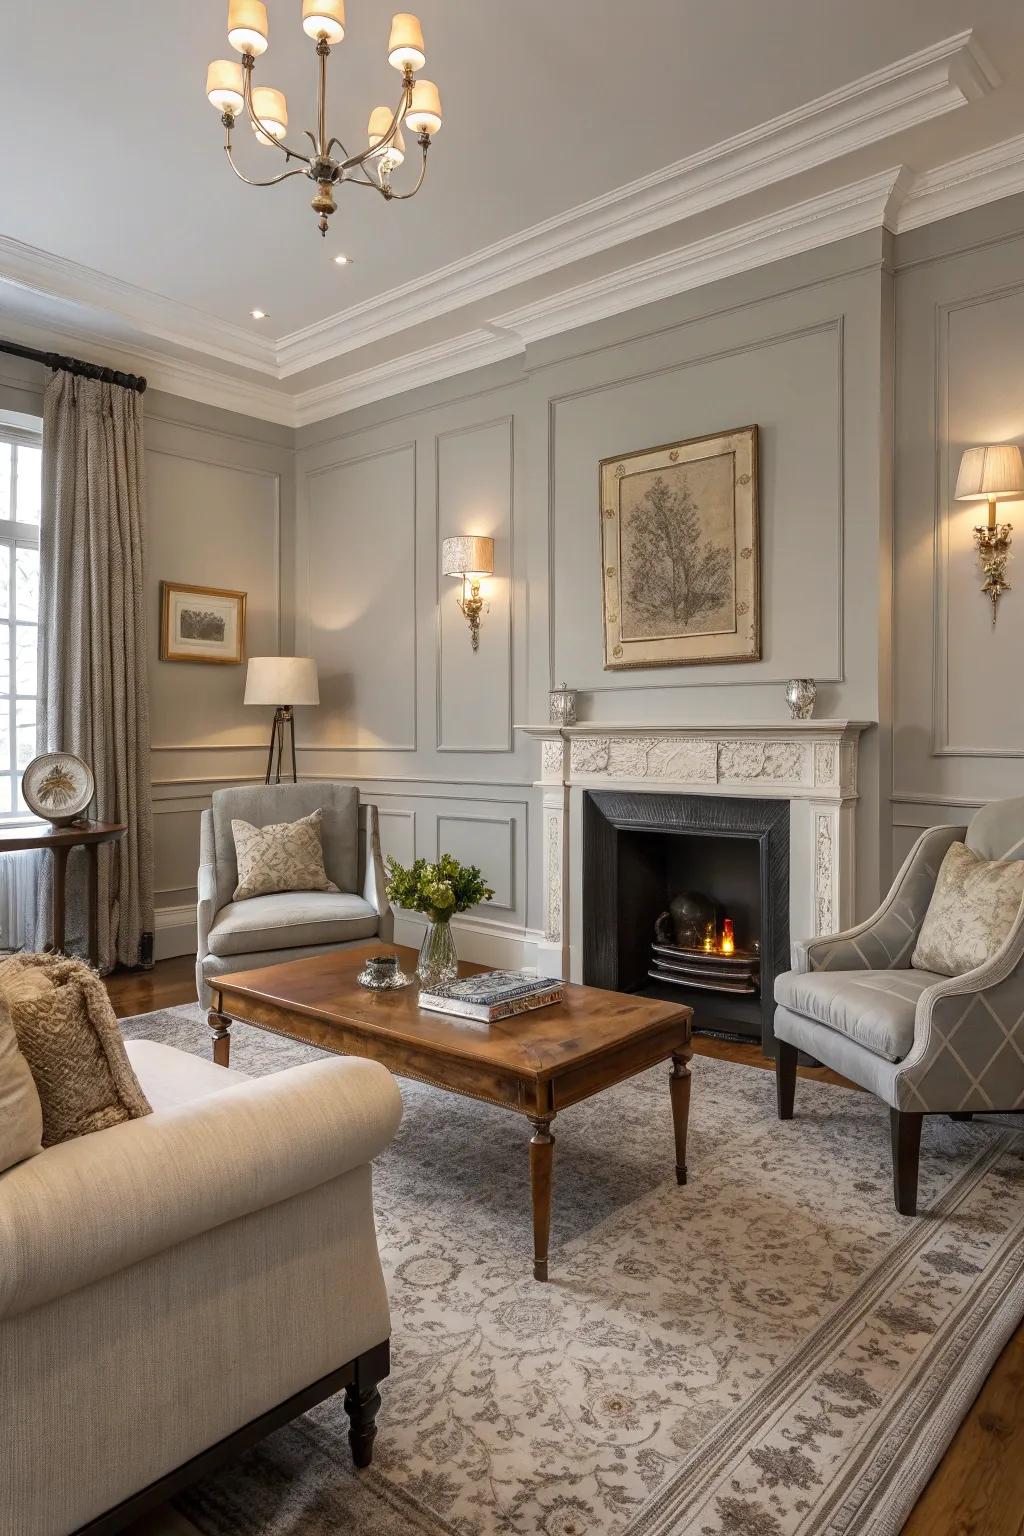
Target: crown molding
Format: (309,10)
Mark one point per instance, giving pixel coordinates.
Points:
(462,354)
(864,205)
(938,79)
(964,184)
(157,317)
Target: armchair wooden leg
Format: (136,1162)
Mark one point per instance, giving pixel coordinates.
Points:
(785,1077)
(362,1400)
(905,1131)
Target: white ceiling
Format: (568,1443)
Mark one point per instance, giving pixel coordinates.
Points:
(121,223)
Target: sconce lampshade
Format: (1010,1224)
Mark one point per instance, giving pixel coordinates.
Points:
(467,555)
(992,473)
(324,18)
(247,26)
(224,86)
(281,680)
(405,45)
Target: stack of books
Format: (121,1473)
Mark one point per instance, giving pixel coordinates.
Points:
(494,995)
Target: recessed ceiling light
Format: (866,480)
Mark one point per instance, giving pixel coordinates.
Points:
(342,261)
(259,314)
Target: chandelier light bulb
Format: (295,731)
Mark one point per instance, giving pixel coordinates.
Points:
(324,18)
(247,26)
(380,122)
(271,108)
(224,86)
(424,115)
(405,45)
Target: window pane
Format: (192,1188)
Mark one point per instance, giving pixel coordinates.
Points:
(5,664)
(29,493)
(5,580)
(26,586)
(5,479)
(25,659)
(5,794)
(25,726)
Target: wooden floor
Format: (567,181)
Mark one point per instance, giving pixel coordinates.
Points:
(978,1487)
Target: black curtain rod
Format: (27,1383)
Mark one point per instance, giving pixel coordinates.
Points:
(75,365)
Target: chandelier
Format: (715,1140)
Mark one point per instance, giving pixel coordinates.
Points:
(229,87)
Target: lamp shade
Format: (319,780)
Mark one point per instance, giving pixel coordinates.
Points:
(324,18)
(467,554)
(380,122)
(272,110)
(992,473)
(405,45)
(247,26)
(281,680)
(224,86)
(424,115)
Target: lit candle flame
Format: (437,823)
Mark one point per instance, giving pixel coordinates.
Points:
(728,937)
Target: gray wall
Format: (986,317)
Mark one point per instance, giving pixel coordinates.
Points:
(424,725)
(219,513)
(959,704)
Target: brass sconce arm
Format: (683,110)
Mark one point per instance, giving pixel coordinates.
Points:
(472,607)
(469,557)
(993,546)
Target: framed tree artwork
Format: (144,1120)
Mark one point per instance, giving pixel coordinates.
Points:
(679,541)
(201,624)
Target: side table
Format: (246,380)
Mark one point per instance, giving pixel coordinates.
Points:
(84,834)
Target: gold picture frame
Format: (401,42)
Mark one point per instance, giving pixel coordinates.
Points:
(201,624)
(680,559)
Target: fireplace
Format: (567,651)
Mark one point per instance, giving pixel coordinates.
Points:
(728,858)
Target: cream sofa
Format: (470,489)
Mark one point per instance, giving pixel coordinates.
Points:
(268,930)
(173,1288)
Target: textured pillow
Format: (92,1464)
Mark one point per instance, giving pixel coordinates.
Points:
(287,856)
(973,907)
(21,1114)
(68,1034)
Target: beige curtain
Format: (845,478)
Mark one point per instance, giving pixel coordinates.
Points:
(93,696)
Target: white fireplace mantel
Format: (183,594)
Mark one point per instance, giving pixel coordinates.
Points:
(810,763)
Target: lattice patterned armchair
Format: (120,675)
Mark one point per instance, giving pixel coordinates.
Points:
(923,1042)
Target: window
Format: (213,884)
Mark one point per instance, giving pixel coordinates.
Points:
(20,500)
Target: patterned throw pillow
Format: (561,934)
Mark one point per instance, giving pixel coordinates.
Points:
(21,1115)
(287,856)
(68,1034)
(973,907)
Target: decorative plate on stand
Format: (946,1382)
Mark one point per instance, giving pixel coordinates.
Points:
(58,787)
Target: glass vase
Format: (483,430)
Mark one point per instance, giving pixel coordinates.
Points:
(438,963)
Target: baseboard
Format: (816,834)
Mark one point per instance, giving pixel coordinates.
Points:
(175,932)
(481,939)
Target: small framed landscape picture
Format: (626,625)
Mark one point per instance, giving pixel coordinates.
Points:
(680,566)
(201,624)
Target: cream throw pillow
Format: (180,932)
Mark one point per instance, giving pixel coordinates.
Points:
(287,856)
(21,1114)
(973,907)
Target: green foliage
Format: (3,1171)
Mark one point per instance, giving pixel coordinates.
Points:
(436,889)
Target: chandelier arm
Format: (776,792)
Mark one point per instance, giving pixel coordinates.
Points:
(291,154)
(298,171)
(339,144)
(396,122)
(403,197)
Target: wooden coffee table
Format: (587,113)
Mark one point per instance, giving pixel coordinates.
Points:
(535,1063)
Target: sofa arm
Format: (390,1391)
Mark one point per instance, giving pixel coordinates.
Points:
(90,1207)
(375,882)
(885,940)
(977,1067)
(206,882)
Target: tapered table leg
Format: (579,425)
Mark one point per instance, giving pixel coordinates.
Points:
(542,1147)
(220,1028)
(679,1091)
(93,852)
(60,869)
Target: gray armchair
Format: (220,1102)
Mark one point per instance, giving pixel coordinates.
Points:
(922,1042)
(267,930)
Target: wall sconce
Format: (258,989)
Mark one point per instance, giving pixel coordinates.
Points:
(470,558)
(993,473)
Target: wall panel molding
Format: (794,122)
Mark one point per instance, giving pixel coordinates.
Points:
(509,823)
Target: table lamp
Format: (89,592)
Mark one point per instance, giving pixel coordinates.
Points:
(284,682)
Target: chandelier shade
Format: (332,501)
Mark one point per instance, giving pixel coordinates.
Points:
(248,29)
(405,45)
(324,18)
(424,114)
(225,85)
(231,88)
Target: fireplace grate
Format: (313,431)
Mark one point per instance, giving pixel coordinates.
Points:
(738,973)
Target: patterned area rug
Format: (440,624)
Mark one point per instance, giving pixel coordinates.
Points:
(768,1351)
